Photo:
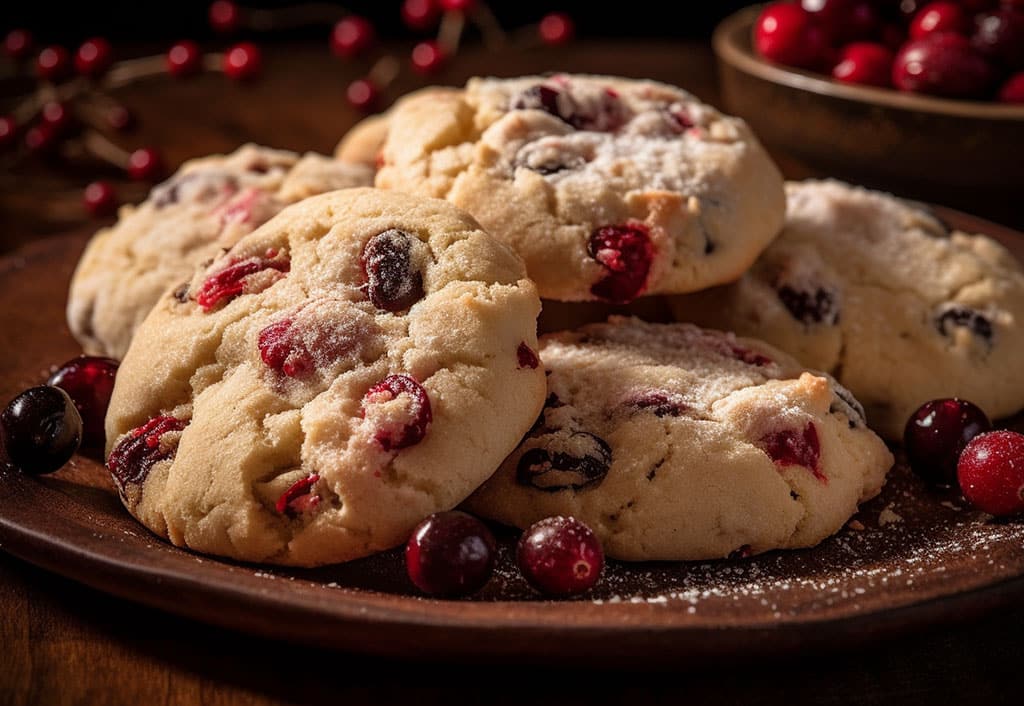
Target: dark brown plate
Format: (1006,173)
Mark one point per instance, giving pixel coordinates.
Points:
(912,557)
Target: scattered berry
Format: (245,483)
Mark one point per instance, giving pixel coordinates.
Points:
(225,16)
(145,164)
(53,63)
(243,61)
(94,57)
(99,199)
(937,433)
(184,59)
(18,44)
(560,556)
(428,57)
(352,36)
(89,381)
(556,28)
(450,554)
(420,15)
(41,429)
(363,94)
(991,472)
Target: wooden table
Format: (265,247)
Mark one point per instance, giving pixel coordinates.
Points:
(61,643)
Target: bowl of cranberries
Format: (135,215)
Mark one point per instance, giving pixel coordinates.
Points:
(894,93)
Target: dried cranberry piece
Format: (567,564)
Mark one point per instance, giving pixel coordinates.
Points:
(546,98)
(298,498)
(282,349)
(661,402)
(605,115)
(233,280)
(392,282)
(626,253)
(964,317)
(749,357)
(552,471)
(134,456)
(410,430)
(527,356)
(792,447)
(817,307)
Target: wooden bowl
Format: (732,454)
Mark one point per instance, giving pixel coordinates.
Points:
(928,147)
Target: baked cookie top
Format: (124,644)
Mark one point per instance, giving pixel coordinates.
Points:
(882,294)
(609,188)
(674,442)
(205,207)
(360,361)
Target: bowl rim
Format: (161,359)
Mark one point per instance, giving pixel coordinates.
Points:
(730,48)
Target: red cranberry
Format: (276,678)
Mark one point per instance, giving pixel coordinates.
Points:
(865,63)
(41,429)
(780,35)
(411,425)
(1000,37)
(393,281)
(893,36)
(234,280)
(937,433)
(351,36)
(556,28)
(1013,90)
(8,131)
(120,118)
(450,554)
(89,380)
(863,20)
(184,59)
(420,14)
(57,116)
(299,497)
(53,63)
(626,253)
(428,57)
(243,62)
(134,456)
(942,64)
(941,16)
(661,402)
(363,94)
(551,470)
(832,16)
(145,164)
(560,556)
(18,44)
(225,16)
(99,199)
(991,472)
(792,447)
(458,5)
(282,349)
(94,57)
(40,139)
(527,356)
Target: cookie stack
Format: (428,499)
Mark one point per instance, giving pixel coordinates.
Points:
(366,357)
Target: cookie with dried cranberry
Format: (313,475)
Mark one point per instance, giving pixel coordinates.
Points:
(609,188)
(205,207)
(883,295)
(360,361)
(674,442)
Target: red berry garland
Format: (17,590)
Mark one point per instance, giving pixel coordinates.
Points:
(184,59)
(94,57)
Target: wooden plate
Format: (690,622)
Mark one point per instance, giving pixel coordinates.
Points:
(912,557)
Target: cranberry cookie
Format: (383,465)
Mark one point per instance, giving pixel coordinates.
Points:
(880,293)
(675,442)
(206,206)
(360,361)
(609,188)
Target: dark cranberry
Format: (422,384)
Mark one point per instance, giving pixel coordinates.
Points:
(420,15)
(57,116)
(560,556)
(224,16)
(393,282)
(748,356)
(1013,90)
(282,349)
(964,317)
(585,462)
(661,402)
(234,280)
(830,15)
(546,98)
(184,58)
(527,356)
(863,20)
(8,131)
(411,424)
(363,94)
(120,118)
(817,307)
(53,63)
(793,447)
(626,253)
(450,554)
(145,164)
(94,57)
(741,552)
(865,63)
(942,64)
(99,198)
(299,497)
(89,380)
(134,456)
(556,28)
(243,61)
(780,35)
(999,35)
(940,16)
(428,57)
(41,429)
(936,434)
(18,44)
(991,472)
(608,115)
(352,35)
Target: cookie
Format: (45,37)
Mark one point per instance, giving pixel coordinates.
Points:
(205,207)
(674,442)
(609,188)
(360,361)
(883,295)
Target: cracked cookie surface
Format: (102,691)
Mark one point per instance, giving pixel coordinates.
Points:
(674,442)
(883,295)
(609,188)
(360,361)
(207,206)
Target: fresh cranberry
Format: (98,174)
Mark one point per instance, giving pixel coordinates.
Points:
(556,28)
(892,36)
(428,57)
(626,253)
(94,57)
(409,426)
(99,199)
(810,307)
(1013,90)
(53,63)
(991,472)
(120,118)
(299,498)
(236,279)
(363,94)
(145,164)
(549,470)
(1000,37)
(661,402)
(560,556)
(224,16)
(450,554)
(830,15)
(940,16)
(134,456)
(792,447)
(780,34)
(937,433)
(863,20)
(56,116)
(458,5)
(865,63)
(8,131)
(351,36)
(420,15)
(89,380)
(393,281)
(40,139)
(942,64)
(18,44)
(527,356)
(243,61)
(184,59)
(41,429)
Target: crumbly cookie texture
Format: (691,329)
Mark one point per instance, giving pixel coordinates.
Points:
(674,442)
(609,188)
(360,361)
(207,206)
(883,295)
